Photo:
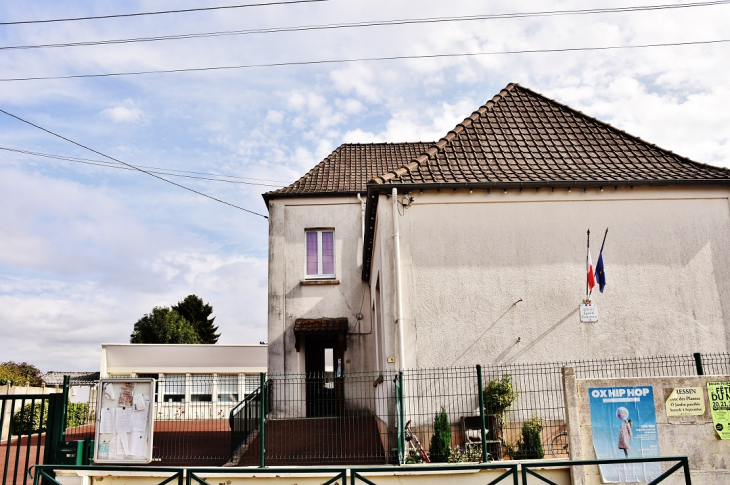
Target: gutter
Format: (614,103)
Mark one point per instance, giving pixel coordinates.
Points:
(376,188)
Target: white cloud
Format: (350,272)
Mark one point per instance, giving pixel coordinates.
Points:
(126,112)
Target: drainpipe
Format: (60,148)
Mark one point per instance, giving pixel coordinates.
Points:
(362,218)
(398,292)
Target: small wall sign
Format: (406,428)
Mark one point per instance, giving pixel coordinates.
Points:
(686,401)
(588,312)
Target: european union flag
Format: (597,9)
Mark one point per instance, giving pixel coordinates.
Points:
(600,273)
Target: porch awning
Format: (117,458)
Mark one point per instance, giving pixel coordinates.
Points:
(319,326)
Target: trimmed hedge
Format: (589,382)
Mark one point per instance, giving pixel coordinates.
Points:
(33,422)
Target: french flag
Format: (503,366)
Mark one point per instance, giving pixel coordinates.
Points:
(591,273)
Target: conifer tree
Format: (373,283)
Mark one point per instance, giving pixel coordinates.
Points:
(197,312)
(440,449)
(163,326)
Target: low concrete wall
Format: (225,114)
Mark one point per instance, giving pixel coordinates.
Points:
(8,390)
(693,436)
(560,476)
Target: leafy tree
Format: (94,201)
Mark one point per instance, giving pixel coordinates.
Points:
(440,448)
(195,311)
(163,326)
(20,373)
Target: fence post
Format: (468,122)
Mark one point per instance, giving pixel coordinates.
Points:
(698,364)
(481,414)
(66,382)
(262,450)
(401,421)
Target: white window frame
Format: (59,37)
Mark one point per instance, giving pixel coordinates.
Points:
(319,275)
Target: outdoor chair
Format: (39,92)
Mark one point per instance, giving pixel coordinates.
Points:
(471,431)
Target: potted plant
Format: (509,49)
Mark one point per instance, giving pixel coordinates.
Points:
(499,394)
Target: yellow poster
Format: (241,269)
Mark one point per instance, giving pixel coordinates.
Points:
(719,394)
(686,401)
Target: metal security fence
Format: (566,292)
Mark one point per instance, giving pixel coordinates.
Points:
(457,414)
(442,414)
(319,418)
(192,415)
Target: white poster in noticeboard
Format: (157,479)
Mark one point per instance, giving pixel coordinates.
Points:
(125,412)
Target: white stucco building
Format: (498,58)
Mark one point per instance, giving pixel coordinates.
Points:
(490,267)
(194,381)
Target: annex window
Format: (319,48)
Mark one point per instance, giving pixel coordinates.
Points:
(320,248)
(174,387)
(228,388)
(201,388)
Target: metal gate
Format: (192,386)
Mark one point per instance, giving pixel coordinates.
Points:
(31,426)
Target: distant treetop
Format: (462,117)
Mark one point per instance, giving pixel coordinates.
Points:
(18,374)
(187,322)
(195,311)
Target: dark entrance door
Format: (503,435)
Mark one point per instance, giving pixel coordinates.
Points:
(321,370)
(325,343)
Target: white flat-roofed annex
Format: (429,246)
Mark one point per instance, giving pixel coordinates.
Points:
(182,358)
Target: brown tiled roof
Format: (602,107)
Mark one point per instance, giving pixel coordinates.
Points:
(351,166)
(320,325)
(521,136)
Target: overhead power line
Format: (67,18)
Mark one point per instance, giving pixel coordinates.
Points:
(157,170)
(368,59)
(161,12)
(427,20)
(130,165)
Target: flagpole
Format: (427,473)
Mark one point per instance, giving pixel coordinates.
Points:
(588,250)
(604,240)
(599,256)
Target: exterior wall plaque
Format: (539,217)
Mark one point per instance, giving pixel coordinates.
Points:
(588,312)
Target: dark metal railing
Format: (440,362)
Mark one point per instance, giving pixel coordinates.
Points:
(245,421)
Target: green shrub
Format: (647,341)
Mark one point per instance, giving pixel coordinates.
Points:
(529,446)
(499,395)
(77,414)
(440,449)
(32,420)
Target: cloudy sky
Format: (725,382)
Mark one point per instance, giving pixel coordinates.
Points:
(86,250)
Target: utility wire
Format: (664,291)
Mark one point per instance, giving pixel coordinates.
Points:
(368,59)
(427,20)
(167,171)
(161,12)
(130,165)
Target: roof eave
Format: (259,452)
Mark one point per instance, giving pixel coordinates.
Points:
(269,196)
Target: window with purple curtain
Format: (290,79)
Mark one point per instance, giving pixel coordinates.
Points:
(328,253)
(312,254)
(320,250)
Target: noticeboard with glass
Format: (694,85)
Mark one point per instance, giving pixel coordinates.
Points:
(124,420)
